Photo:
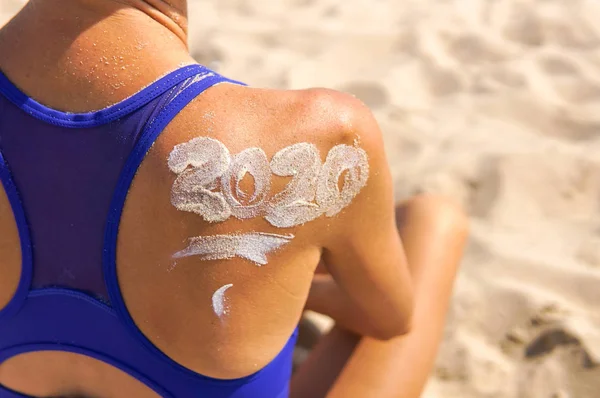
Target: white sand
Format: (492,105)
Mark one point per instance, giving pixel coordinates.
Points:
(496,103)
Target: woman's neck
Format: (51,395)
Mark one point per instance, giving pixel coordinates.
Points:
(171,14)
(95,52)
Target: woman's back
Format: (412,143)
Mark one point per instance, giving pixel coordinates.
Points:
(238,194)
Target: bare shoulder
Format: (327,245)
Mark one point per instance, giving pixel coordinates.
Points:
(331,114)
(317,123)
(277,118)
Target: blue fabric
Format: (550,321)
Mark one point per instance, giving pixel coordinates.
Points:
(92,119)
(7,393)
(67,183)
(26,258)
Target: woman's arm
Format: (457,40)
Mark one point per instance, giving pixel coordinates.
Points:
(369,290)
(326,297)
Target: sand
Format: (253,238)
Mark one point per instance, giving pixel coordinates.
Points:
(496,103)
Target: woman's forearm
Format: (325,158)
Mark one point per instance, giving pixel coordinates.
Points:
(327,298)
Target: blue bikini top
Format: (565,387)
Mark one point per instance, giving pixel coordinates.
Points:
(67,177)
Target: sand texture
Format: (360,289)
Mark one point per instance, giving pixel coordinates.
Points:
(496,103)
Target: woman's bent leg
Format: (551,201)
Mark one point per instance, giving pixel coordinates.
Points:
(343,365)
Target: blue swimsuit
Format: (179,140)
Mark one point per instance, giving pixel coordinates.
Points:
(67,176)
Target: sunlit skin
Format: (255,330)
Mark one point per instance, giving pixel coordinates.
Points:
(386,270)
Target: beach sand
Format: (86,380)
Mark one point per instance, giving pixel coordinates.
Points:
(495,103)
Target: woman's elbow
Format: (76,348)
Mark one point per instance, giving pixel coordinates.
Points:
(401,325)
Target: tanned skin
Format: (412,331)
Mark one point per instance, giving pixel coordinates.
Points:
(388,270)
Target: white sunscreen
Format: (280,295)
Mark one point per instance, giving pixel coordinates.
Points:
(198,163)
(251,161)
(313,190)
(341,158)
(252,246)
(294,205)
(219,300)
(208,184)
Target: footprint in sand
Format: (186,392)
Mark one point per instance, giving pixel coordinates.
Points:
(548,340)
(517,187)
(409,42)
(570,33)
(508,77)
(538,25)
(210,56)
(523,26)
(244,8)
(568,80)
(373,94)
(302,3)
(441,81)
(472,49)
(557,65)
(331,12)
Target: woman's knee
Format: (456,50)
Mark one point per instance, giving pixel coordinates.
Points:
(436,210)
